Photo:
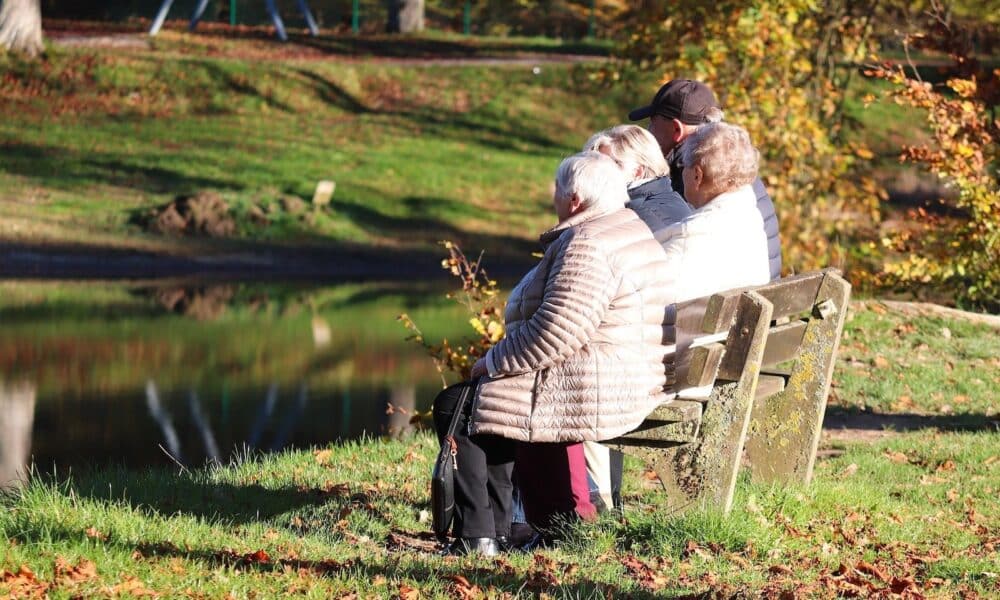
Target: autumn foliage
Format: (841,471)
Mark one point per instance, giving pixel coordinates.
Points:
(772,66)
(960,256)
(480,295)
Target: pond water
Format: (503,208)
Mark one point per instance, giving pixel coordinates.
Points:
(140,374)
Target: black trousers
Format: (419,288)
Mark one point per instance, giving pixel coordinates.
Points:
(483,487)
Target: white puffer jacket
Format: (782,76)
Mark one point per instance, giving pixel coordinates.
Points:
(720,246)
(582,357)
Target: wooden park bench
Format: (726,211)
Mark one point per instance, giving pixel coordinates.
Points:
(768,353)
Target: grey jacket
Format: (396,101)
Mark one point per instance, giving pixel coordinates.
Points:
(657,204)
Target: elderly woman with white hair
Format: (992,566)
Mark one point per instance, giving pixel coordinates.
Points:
(646,171)
(580,360)
(722,245)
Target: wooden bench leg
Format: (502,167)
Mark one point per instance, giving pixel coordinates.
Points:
(703,473)
(785,428)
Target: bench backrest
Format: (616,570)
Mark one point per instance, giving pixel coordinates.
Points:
(731,345)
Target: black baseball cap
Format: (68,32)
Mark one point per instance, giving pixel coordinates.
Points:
(682,99)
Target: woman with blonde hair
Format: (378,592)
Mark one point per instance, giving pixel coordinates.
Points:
(647,174)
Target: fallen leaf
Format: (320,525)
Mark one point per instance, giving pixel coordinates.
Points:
(880,362)
(952,495)
(408,593)
(461,588)
(902,403)
(643,573)
(692,548)
(896,457)
(69,574)
(93,533)
(849,470)
(870,569)
(412,456)
(948,465)
(132,587)
(323,456)
(780,570)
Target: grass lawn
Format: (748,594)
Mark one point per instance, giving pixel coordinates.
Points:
(91,138)
(912,513)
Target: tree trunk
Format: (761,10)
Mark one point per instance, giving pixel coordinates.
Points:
(21,26)
(405,16)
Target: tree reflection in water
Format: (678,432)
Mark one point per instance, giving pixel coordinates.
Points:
(120,371)
(17,414)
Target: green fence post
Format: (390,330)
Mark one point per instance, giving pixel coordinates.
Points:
(232,13)
(356,16)
(467,18)
(592,24)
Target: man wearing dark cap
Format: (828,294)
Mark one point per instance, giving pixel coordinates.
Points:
(678,109)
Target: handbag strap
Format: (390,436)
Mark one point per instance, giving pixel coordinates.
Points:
(449,437)
(459,407)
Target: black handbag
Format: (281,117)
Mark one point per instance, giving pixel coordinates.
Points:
(443,477)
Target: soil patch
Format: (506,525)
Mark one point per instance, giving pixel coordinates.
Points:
(205,213)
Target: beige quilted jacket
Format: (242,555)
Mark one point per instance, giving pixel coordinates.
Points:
(582,357)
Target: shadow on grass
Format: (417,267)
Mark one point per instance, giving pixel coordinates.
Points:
(446,124)
(838,418)
(417,47)
(420,226)
(488,573)
(68,169)
(189,495)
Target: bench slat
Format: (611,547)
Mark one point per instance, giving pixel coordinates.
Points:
(671,423)
(790,296)
(794,295)
(769,385)
(677,410)
(652,432)
(738,347)
(704,364)
(783,342)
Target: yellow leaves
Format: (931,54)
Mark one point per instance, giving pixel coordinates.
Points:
(495,331)
(323,456)
(477,325)
(966,88)
(480,295)
(864,152)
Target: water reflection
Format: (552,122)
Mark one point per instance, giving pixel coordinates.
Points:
(145,375)
(17,412)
